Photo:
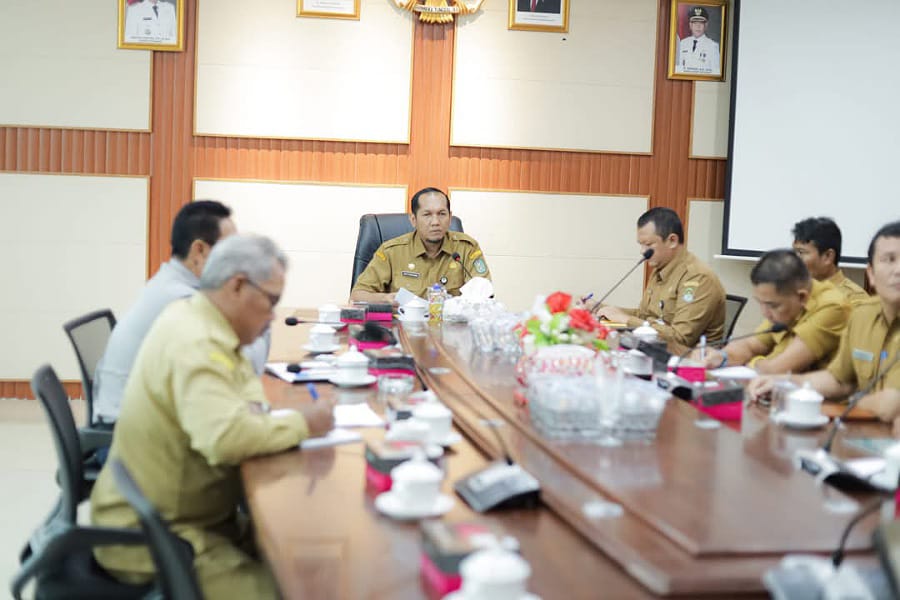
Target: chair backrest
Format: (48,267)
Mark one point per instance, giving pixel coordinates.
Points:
(374,230)
(173,556)
(733,307)
(52,395)
(89,335)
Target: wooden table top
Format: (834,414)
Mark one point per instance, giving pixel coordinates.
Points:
(705,511)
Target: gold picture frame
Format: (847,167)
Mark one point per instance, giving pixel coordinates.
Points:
(698,57)
(539,15)
(151,25)
(329,9)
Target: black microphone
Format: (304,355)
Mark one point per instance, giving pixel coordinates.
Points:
(291,321)
(455,256)
(853,401)
(644,257)
(775,328)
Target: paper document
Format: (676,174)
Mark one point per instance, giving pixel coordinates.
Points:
(334,437)
(279,370)
(356,415)
(403,296)
(734,373)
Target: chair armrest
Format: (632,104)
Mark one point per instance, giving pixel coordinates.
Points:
(92,438)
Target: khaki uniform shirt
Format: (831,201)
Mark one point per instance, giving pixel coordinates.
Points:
(184,429)
(683,301)
(403,263)
(849,288)
(867,347)
(820,326)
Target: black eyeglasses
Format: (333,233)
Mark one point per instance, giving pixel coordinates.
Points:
(273,299)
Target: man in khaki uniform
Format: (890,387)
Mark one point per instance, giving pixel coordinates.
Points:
(193,410)
(817,241)
(870,345)
(814,312)
(683,299)
(423,257)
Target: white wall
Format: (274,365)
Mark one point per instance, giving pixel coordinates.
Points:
(70,244)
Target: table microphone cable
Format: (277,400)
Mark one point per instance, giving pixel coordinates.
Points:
(837,557)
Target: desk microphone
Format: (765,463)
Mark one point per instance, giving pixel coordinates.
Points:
(645,256)
(457,258)
(775,328)
(291,321)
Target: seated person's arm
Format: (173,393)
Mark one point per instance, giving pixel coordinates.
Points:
(816,338)
(694,309)
(374,284)
(366,296)
(796,358)
(822,381)
(886,404)
(737,353)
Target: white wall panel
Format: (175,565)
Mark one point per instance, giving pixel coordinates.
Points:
(70,244)
(315,224)
(264,72)
(712,109)
(588,89)
(59,67)
(537,243)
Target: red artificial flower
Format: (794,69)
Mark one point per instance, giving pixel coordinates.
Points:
(580,318)
(559,302)
(602,331)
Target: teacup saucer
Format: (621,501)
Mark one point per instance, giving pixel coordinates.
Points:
(389,504)
(323,350)
(783,418)
(338,325)
(446,441)
(342,382)
(404,319)
(460,595)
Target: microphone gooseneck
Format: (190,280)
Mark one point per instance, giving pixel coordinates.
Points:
(854,400)
(457,258)
(645,256)
(837,557)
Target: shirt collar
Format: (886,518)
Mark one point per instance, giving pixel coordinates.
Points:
(838,278)
(220,329)
(662,273)
(419,245)
(182,272)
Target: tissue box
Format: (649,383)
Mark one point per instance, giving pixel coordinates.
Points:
(390,360)
(353,315)
(379,312)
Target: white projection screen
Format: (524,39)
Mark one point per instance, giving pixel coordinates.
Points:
(816,128)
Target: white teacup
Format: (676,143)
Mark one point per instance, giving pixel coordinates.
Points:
(438,418)
(330,313)
(412,311)
(352,365)
(804,404)
(416,483)
(646,333)
(409,430)
(494,574)
(322,337)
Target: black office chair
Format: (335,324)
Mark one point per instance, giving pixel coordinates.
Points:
(734,305)
(59,554)
(374,230)
(173,556)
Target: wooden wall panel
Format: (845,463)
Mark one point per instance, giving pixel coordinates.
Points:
(172,156)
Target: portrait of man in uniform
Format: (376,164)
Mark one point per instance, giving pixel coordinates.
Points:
(697,37)
(539,15)
(150,24)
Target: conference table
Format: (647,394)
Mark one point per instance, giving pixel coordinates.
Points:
(700,511)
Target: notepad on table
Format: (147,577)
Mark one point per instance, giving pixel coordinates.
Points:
(335,437)
(356,415)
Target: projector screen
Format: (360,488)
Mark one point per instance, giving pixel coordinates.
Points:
(815,121)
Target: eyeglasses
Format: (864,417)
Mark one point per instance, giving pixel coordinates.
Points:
(273,299)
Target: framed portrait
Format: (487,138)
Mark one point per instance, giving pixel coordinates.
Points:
(151,24)
(329,9)
(539,15)
(697,40)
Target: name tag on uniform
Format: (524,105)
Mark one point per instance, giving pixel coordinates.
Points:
(409,274)
(862,355)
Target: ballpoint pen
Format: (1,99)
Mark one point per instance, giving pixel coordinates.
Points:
(586,298)
(312,390)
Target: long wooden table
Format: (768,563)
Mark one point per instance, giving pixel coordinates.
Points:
(705,511)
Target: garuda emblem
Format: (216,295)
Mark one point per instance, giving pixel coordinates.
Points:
(439,11)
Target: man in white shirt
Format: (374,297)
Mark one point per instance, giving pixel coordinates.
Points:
(698,53)
(151,21)
(196,229)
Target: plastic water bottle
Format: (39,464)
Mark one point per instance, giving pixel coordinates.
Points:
(436,296)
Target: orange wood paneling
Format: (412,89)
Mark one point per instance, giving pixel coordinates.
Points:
(22,389)
(171,156)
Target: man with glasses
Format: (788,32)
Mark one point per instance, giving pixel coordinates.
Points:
(193,411)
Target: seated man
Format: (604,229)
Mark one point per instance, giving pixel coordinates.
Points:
(813,312)
(868,352)
(195,230)
(817,241)
(421,258)
(683,299)
(194,409)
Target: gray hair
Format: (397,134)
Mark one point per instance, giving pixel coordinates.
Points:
(252,255)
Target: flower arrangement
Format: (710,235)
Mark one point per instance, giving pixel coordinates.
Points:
(554,320)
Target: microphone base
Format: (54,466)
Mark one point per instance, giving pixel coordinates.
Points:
(802,577)
(827,469)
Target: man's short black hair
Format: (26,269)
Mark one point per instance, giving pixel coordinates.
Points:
(821,232)
(198,220)
(666,222)
(783,269)
(891,230)
(428,190)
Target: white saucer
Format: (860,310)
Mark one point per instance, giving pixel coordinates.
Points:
(341,382)
(338,325)
(794,422)
(326,350)
(459,595)
(388,504)
(403,319)
(448,440)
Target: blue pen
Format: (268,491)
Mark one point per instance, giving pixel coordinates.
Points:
(312,390)
(586,298)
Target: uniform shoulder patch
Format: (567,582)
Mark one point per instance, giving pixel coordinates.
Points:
(220,358)
(688,295)
(480,266)
(380,255)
